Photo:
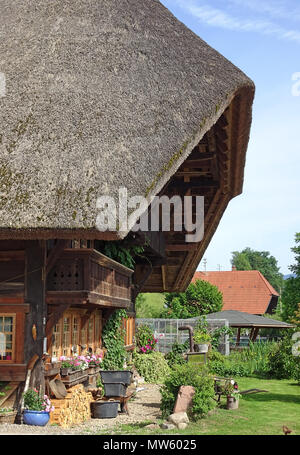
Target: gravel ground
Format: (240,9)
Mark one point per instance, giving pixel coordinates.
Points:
(144,407)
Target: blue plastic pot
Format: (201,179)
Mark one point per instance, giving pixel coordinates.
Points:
(39,418)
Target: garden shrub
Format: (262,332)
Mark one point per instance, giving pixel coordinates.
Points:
(193,375)
(113,341)
(282,363)
(145,340)
(214,356)
(253,360)
(153,366)
(175,356)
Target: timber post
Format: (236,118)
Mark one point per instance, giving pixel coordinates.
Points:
(35,279)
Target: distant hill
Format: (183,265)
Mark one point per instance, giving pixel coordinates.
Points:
(290,275)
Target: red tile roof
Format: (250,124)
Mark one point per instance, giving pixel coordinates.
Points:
(247,291)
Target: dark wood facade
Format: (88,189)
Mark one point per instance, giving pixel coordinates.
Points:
(55,298)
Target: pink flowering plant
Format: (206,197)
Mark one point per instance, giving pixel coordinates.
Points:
(145,339)
(74,363)
(94,360)
(34,401)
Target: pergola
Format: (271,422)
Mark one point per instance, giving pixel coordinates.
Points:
(242,320)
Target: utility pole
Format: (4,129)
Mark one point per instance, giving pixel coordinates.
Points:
(204,263)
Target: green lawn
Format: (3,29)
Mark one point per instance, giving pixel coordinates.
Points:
(152,305)
(258,414)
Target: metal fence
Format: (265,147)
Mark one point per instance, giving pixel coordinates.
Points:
(167,331)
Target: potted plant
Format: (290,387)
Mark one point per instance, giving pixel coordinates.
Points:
(202,340)
(37,408)
(7,415)
(70,365)
(230,390)
(94,362)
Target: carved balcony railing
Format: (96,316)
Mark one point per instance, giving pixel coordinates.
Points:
(85,275)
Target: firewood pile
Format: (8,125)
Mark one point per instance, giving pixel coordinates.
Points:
(73,409)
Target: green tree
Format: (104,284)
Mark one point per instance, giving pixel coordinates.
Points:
(199,299)
(249,259)
(291,291)
(295,268)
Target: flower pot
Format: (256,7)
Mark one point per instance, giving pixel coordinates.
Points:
(116,376)
(232,403)
(38,418)
(201,347)
(8,417)
(114,389)
(104,409)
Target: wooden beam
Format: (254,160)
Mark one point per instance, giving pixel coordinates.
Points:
(255,333)
(163,274)
(200,184)
(84,319)
(55,253)
(182,247)
(53,319)
(238,337)
(198,162)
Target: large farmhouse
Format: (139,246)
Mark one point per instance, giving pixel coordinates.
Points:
(99,96)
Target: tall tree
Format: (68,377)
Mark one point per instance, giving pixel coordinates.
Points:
(249,259)
(199,299)
(291,291)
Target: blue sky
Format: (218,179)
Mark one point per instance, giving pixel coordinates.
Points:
(261,37)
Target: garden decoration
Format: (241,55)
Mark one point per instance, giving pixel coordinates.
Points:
(37,408)
(7,415)
(228,388)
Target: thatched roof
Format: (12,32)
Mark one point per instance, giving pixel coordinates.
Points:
(100,95)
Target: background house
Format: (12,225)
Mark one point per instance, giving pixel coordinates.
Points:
(243,290)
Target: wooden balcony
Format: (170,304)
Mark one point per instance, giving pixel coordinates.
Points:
(84,275)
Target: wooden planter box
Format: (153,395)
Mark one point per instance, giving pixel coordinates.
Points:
(8,417)
(74,377)
(93,370)
(51,369)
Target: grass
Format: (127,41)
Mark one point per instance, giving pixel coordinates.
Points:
(151,306)
(258,414)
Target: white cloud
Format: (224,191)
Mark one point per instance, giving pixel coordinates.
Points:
(219,18)
(279,9)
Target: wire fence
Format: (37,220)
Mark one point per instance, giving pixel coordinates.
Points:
(167,331)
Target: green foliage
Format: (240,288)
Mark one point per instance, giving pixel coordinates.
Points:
(4,411)
(113,341)
(214,356)
(291,290)
(282,363)
(200,298)
(121,252)
(253,360)
(175,356)
(149,305)
(227,368)
(218,333)
(200,337)
(295,268)
(189,374)
(153,366)
(290,298)
(249,259)
(145,340)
